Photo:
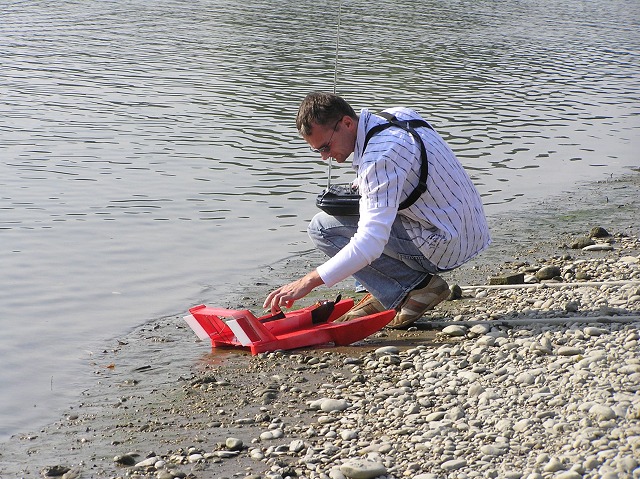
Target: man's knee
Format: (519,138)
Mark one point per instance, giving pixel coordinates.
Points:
(315,227)
(331,231)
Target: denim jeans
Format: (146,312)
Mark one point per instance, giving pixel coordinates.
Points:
(390,277)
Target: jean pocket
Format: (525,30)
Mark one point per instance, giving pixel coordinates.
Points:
(418,263)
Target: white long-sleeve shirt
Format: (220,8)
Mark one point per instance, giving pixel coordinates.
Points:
(447,223)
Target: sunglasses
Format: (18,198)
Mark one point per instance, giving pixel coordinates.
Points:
(327,146)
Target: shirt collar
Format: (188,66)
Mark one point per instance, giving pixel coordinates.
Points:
(367,120)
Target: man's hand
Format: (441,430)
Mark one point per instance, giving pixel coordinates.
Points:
(286,295)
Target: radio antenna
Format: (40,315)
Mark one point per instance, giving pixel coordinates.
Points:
(335,78)
(335,69)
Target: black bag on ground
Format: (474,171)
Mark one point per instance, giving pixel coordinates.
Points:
(344,200)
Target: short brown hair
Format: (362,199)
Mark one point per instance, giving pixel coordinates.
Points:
(322,109)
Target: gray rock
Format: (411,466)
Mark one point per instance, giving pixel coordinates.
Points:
(602,412)
(525,378)
(387,350)
(455,292)
(572,306)
(628,464)
(330,405)
(598,247)
(220,454)
(362,469)
(581,243)
(53,471)
(234,444)
(583,276)
(598,232)
(453,464)
(493,449)
(569,351)
(548,272)
(568,475)
(480,329)
(150,461)
(455,330)
(554,465)
(296,445)
(593,331)
(125,460)
(435,416)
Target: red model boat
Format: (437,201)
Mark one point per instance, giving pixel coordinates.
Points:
(295,329)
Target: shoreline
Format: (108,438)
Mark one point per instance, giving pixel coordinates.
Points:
(158,391)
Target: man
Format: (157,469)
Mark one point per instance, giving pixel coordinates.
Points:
(395,253)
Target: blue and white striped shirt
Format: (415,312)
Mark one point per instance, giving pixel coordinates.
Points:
(447,223)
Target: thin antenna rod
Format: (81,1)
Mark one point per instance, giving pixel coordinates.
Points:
(335,69)
(335,77)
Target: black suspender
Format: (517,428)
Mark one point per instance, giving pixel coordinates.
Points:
(409,126)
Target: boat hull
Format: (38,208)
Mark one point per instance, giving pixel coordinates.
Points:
(292,330)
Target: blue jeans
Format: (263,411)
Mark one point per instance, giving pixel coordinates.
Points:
(390,277)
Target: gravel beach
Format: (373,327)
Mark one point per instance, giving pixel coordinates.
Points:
(539,379)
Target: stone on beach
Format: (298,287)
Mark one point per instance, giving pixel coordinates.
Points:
(455,331)
(453,464)
(362,469)
(602,412)
(329,404)
(548,272)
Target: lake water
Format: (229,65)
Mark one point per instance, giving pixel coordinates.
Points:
(150,162)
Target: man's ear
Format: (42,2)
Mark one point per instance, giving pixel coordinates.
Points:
(349,122)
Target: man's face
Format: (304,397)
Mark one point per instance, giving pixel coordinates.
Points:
(335,141)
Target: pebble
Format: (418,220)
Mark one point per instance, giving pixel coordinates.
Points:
(480,329)
(568,475)
(234,444)
(594,331)
(493,450)
(454,331)
(125,460)
(330,405)
(581,243)
(554,465)
(275,433)
(598,247)
(569,351)
(454,464)
(548,272)
(385,350)
(296,445)
(150,461)
(362,469)
(602,412)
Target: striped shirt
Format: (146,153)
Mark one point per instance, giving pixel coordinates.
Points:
(447,223)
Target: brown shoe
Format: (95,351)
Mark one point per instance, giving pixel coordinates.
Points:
(420,300)
(366,306)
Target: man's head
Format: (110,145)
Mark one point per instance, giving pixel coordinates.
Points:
(329,124)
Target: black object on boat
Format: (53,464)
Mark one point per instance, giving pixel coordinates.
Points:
(339,200)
